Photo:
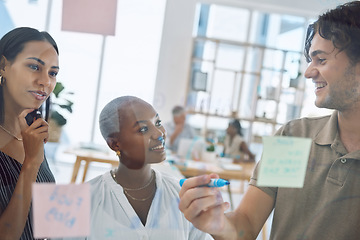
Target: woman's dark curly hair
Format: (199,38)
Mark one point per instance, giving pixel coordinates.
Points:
(342,27)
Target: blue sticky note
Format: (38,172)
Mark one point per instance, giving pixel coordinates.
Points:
(284,162)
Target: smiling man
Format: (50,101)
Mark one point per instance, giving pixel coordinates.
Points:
(328,205)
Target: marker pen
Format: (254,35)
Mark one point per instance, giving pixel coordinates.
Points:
(215,182)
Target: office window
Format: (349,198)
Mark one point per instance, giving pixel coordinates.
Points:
(253,63)
(130,57)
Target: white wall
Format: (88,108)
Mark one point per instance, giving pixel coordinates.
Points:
(176,44)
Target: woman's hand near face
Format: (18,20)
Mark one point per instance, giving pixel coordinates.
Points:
(17,210)
(203,206)
(34,137)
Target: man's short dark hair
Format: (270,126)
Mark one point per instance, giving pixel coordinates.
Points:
(341,26)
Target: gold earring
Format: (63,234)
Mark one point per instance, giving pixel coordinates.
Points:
(118,153)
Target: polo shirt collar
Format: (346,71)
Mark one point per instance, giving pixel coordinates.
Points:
(329,132)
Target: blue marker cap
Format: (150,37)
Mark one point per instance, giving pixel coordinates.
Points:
(182,181)
(215,182)
(218,182)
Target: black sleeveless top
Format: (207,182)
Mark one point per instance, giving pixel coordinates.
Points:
(9,174)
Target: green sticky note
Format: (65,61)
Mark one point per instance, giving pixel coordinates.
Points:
(284,162)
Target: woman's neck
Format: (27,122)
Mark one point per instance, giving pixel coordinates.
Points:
(11,126)
(133,178)
(12,110)
(231,136)
(139,187)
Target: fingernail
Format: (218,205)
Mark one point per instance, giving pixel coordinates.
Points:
(219,198)
(227,206)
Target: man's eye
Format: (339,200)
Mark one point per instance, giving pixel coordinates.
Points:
(321,60)
(158,123)
(143,129)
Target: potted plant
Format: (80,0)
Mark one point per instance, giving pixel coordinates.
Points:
(209,155)
(60,105)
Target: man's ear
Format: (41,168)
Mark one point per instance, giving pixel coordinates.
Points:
(113,143)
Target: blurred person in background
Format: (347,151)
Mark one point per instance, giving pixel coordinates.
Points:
(178,129)
(234,145)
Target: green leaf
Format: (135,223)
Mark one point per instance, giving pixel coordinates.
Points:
(59,87)
(60,104)
(58,118)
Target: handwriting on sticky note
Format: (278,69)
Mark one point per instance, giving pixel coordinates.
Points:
(284,161)
(61,210)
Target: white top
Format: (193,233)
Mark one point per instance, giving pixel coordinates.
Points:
(233,149)
(112,216)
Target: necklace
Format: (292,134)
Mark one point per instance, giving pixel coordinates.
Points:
(19,139)
(134,189)
(113,175)
(140,199)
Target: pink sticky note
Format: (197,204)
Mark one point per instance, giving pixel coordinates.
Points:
(89,16)
(61,210)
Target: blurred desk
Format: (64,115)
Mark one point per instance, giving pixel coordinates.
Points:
(88,156)
(188,168)
(238,171)
(228,171)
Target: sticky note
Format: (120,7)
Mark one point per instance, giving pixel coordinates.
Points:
(61,210)
(284,162)
(89,16)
